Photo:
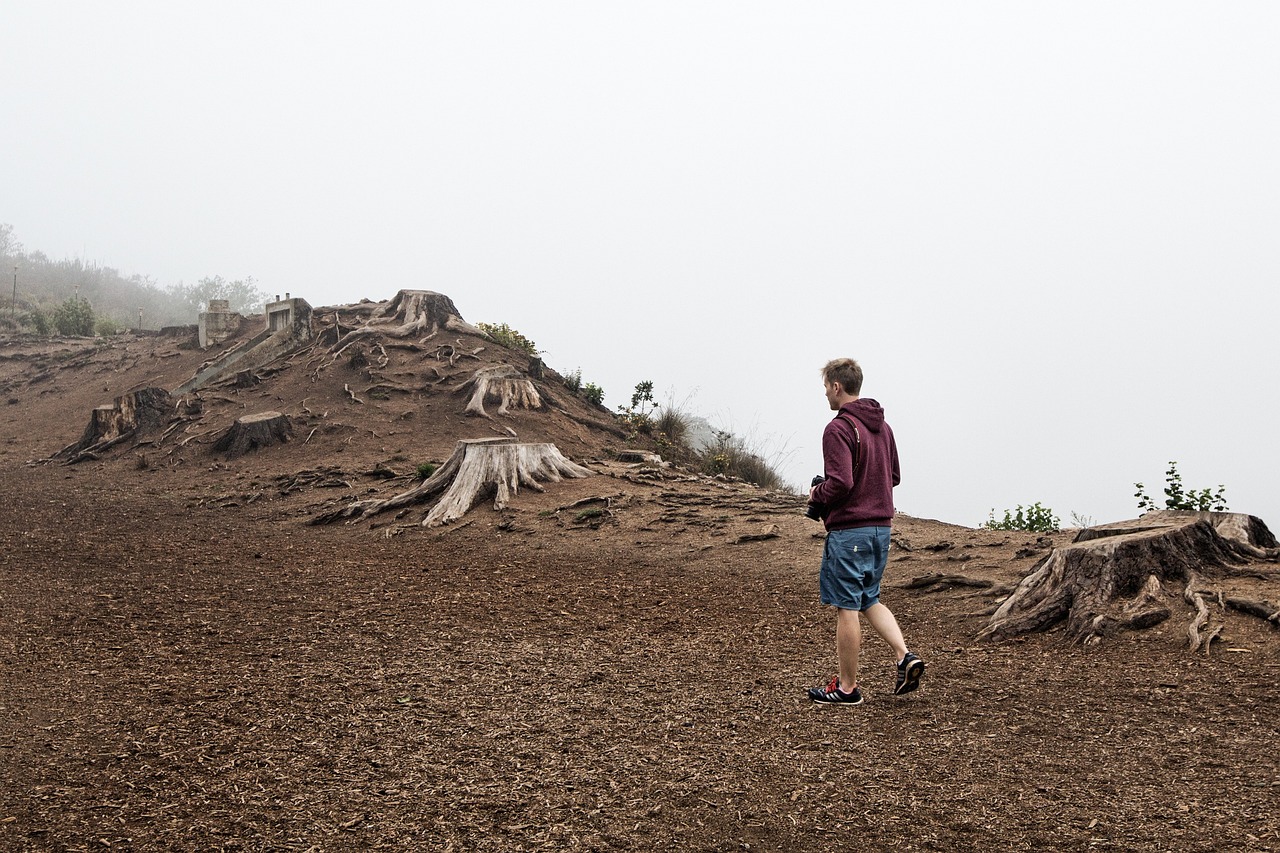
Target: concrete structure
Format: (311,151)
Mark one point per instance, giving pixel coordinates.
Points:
(288,329)
(218,323)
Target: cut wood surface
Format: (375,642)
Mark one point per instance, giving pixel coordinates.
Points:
(252,432)
(1113,576)
(129,416)
(477,468)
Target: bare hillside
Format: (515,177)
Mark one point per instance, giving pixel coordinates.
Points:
(615,663)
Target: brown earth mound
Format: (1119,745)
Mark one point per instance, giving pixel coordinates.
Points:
(617,663)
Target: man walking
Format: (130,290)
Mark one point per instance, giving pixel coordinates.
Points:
(860,462)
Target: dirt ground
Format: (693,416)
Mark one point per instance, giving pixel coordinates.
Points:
(187,664)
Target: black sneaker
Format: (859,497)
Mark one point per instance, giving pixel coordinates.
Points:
(909,672)
(833,695)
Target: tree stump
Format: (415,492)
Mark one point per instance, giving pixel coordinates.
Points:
(1113,577)
(412,313)
(129,416)
(477,468)
(503,383)
(252,432)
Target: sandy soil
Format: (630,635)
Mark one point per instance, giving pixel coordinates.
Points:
(187,664)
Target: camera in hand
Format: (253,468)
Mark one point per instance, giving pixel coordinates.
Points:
(814,510)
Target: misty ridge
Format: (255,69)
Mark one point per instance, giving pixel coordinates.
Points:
(73,296)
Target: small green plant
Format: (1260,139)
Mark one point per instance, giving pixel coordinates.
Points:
(589,514)
(105,327)
(638,414)
(573,381)
(593,393)
(40,321)
(425,470)
(1204,500)
(731,456)
(74,317)
(509,337)
(1035,518)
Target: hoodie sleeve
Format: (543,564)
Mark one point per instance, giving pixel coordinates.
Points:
(837,466)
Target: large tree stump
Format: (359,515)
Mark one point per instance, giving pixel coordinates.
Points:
(411,313)
(129,416)
(252,432)
(477,468)
(1113,576)
(501,383)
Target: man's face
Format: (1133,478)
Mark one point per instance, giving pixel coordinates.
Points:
(833,394)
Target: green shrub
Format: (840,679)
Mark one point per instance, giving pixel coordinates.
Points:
(74,317)
(425,470)
(40,321)
(1203,500)
(1036,518)
(573,381)
(106,327)
(508,337)
(730,456)
(593,393)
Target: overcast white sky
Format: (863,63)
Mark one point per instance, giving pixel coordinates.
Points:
(1047,230)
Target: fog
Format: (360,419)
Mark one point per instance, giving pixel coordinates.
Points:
(1046,230)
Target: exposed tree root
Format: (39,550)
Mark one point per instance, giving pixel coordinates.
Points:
(411,313)
(477,467)
(130,415)
(1112,576)
(503,383)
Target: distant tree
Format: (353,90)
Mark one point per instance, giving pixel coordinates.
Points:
(74,317)
(243,295)
(8,245)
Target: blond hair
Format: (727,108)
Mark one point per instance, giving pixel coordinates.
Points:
(845,371)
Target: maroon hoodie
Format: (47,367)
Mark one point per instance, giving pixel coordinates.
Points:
(864,500)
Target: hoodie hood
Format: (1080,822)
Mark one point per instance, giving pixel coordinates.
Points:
(867,411)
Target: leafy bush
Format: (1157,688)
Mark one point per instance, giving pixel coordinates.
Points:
(74,317)
(508,337)
(1203,500)
(573,381)
(39,321)
(637,415)
(730,456)
(593,393)
(425,470)
(1036,518)
(106,327)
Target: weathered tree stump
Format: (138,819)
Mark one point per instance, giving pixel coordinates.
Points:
(502,383)
(412,313)
(1113,577)
(252,432)
(477,468)
(129,416)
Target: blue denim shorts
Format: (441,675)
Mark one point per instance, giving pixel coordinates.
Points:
(853,562)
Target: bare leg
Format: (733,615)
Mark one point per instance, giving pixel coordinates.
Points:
(881,619)
(848,647)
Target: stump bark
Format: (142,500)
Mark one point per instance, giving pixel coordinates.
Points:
(251,432)
(503,384)
(129,416)
(412,313)
(1114,576)
(477,468)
